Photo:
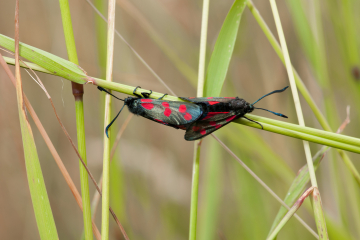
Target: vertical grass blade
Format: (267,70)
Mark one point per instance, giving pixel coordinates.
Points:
(107,147)
(39,197)
(43,214)
(194,190)
(197,144)
(209,210)
(317,208)
(215,77)
(223,50)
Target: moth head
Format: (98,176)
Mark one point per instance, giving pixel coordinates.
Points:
(129,100)
(249,108)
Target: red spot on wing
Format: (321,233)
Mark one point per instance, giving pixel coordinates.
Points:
(191,97)
(147,106)
(211,114)
(212,102)
(187,116)
(167,112)
(165,104)
(182,108)
(203,132)
(214,124)
(145,100)
(210,97)
(229,119)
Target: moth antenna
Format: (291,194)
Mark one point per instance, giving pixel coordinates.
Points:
(104,90)
(276,91)
(108,126)
(277,114)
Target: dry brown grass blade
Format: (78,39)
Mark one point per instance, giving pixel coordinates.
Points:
(49,144)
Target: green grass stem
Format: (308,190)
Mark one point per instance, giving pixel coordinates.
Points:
(197,143)
(194,191)
(107,141)
(80,123)
(212,193)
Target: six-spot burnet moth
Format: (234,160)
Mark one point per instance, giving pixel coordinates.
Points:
(171,113)
(199,117)
(219,111)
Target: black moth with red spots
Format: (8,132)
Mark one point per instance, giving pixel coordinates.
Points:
(199,117)
(170,113)
(219,111)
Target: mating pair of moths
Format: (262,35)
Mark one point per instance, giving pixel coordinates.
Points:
(198,116)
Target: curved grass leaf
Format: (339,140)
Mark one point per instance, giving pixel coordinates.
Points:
(54,64)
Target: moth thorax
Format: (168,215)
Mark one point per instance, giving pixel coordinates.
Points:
(239,103)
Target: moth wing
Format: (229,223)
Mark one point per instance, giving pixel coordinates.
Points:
(171,113)
(202,128)
(208,99)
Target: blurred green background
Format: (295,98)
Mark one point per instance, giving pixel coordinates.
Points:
(151,174)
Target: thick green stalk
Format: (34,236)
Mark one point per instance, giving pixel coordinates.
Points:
(337,140)
(197,144)
(78,93)
(306,133)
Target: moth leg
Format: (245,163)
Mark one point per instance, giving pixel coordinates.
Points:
(255,122)
(139,96)
(146,94)
(162,96)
